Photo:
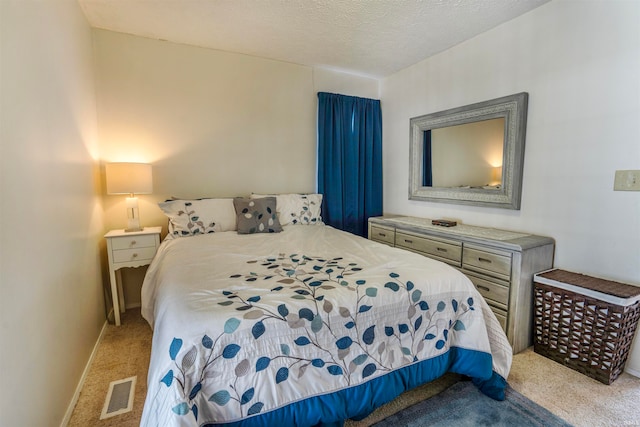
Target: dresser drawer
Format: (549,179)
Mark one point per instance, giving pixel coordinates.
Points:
(501,316)
(382,234)
(492,263)
(129,242)
(137,254)
(494,292)
(448,251)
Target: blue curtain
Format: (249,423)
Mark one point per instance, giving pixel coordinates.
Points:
(349,160)
(427,175)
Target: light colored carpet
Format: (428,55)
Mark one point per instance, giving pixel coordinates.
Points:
(123,352)
(580,400)
(576,398)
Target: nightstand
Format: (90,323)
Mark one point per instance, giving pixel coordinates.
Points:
(128,249)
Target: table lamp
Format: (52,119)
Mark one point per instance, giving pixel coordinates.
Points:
(131,179)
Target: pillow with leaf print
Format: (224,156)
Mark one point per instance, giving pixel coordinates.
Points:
(257,215)
(297,209)
(201,216)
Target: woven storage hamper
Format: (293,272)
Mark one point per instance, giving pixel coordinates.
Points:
(585,323)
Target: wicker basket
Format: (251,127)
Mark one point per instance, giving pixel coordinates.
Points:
(585,323)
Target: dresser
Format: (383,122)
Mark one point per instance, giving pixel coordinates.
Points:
(500,263)
(128,249)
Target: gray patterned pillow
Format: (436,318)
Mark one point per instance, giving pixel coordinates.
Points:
(257,215)
(294,208)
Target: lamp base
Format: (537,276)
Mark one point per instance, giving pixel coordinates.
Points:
(133,218)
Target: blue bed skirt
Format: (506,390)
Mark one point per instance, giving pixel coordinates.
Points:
(359,401)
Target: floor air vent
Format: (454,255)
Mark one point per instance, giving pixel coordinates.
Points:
(119,398)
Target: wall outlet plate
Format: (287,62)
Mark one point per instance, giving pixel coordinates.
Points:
(627,180)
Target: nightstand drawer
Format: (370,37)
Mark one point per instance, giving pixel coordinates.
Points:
(383,235)
(491,263)
(130,242)
(137,254)
(450,252)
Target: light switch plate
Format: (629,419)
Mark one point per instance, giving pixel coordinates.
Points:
(628,180)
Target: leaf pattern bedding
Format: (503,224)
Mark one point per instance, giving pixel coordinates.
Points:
(308,326)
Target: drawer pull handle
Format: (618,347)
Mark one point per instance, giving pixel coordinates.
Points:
(484,288)
(408,241)
(135,255)
(441,250)
(133,242)
(382,235)
(484,260)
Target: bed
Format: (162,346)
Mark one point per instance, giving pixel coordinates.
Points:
(306,326)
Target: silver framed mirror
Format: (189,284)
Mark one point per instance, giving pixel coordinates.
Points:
(450,162)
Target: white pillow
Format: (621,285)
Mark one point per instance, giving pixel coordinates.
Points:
(192,217)
(298,209)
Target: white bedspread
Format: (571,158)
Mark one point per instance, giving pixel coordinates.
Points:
(247,325)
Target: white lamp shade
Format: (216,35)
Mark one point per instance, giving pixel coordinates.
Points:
(129,178)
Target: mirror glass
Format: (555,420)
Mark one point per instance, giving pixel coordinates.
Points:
(465,156)
(471,154)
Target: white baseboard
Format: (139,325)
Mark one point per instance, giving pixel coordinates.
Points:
(633,372)
(76,394)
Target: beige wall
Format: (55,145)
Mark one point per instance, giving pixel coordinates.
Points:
(347,84)
(50,215)
(212,123)
(580,63)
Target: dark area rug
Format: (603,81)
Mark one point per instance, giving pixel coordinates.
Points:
(464,405)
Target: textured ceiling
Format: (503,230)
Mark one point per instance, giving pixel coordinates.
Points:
(368,37)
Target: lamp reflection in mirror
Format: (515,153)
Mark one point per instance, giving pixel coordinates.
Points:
(497,176)
(131,179)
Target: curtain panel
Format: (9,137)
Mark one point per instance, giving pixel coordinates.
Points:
(349,160)
(427,173)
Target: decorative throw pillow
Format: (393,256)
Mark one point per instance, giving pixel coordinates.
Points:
(257,215)
(299,209)
(192,217)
